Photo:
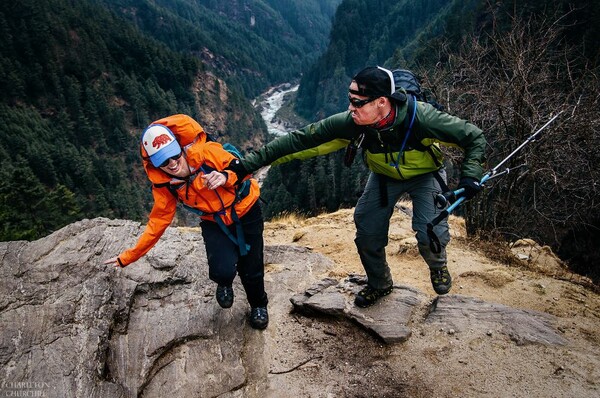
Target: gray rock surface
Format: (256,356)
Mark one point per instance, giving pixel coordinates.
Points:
(73,327)
(79,328)
(389,319)
(524,327)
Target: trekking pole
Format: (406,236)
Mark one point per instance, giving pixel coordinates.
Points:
(442,199)
(447,197)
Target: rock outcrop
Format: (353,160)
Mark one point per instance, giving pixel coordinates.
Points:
(73,327)
(79,328)
(390,318)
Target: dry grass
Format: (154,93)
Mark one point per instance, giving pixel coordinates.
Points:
(494,249)
(499,250)
(289,218)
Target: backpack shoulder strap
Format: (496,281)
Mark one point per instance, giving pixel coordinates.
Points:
(412,111)
(412,139)
(409,121)
(419,146)
(171,187)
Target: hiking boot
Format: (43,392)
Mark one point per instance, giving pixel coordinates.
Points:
(224,296)
(441,280)
(259,318)
(369,296)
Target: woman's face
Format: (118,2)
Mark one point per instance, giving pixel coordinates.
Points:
(177,167)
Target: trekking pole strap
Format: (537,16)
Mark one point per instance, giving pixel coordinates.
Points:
(438,219)
(441,200)
(434,242)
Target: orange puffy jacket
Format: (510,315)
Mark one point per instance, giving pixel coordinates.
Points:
(199,154)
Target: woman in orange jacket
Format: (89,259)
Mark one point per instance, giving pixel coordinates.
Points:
(231,221)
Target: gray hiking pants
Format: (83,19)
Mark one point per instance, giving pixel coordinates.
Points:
(373,220)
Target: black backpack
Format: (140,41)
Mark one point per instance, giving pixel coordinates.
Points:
(408,81)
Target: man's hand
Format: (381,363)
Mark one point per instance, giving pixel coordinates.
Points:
(471,187)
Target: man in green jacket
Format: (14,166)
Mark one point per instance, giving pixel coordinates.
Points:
(401,139)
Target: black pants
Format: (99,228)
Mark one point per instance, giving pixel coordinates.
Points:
(224,259)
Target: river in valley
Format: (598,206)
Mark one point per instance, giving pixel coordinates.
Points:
(270,102)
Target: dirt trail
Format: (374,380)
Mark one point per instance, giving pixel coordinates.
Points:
(322,357)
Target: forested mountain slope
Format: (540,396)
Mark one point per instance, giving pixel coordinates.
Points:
(80,80)
(364,33)
(507,67)
(253,43)
(420,34)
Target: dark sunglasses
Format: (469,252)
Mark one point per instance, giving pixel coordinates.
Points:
(166,162)
(358,103)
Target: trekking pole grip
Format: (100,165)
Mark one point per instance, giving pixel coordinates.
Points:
(454,205)
(443,199)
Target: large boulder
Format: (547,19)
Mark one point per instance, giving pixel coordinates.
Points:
(74,327)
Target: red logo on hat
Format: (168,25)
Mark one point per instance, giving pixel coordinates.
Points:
(161,140)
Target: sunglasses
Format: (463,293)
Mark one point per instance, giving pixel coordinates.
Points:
(358,103)
(166,162)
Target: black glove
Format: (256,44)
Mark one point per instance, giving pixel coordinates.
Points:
(238,168)
(470,185)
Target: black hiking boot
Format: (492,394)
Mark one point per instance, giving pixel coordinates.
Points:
(369,296)
(259,318)
(224,296)
(441,280)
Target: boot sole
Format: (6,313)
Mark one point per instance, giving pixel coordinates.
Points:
(442,289)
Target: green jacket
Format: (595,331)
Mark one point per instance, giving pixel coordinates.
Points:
(421,153)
